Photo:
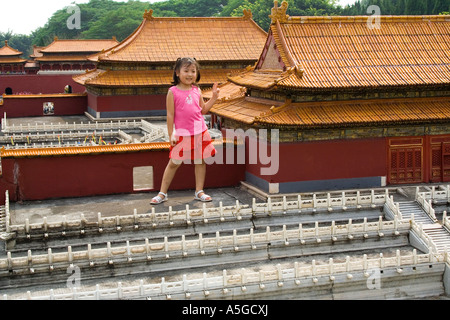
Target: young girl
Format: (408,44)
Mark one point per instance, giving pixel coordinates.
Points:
(191,140)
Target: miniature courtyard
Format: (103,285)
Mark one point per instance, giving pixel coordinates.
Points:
(355,244)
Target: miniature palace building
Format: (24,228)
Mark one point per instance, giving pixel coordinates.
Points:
(70,55)
(10,60)
(132,78)
(356,105)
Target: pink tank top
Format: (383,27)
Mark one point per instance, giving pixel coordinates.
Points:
(188,116)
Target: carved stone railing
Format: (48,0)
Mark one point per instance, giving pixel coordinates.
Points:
(203,245)
(275,276)
(221,213)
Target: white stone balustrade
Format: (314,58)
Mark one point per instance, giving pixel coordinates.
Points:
(217,244)
(153,132)
(426,205)
(422,234)
(330,202)
(58,127)
(307,274)
(55,138)
(393,207)
(446,221)
(436,195)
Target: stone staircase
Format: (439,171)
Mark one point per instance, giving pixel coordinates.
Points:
(410,208)
(438,234)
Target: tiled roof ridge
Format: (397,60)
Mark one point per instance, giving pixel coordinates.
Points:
(91,150)
(59,151)
(121,45)
(274,109)
(294,67)
(99,75)
(264,118)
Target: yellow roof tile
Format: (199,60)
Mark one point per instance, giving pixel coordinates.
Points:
(337,113)
(342,52)
(48,152)
(116,78)
(75,45)
(164,39)
(8,51)
(88,150)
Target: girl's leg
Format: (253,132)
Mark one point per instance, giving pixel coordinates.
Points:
(200,176)
(168,176)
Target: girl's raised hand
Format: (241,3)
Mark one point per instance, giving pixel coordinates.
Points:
(215,90)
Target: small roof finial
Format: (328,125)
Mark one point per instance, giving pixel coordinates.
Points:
(279,13)
(248,14)
(148,14)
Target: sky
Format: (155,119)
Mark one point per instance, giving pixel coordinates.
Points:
(25,16)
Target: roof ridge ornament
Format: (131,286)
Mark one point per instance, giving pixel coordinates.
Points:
(248,15)
(148,14)
(279,13)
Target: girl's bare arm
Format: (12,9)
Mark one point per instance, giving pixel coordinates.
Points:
(170,106)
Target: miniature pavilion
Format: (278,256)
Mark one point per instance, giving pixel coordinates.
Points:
(355,105)
(11,61)
(132,78)
(69,55)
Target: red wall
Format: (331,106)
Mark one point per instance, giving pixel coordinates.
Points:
(30,106)
(126,103)
(325,160)
(43,178)
(36,84)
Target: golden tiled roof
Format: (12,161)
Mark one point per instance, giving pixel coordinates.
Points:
(343,52)
(164,39)
(48,152)
(36,52)
(116,78)
(12,60)
(244,109)
(75,45)
(7,51)
(337,113)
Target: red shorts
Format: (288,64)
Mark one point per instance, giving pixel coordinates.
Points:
(196,147)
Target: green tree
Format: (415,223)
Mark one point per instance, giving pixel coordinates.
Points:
(261,9)
(20,42)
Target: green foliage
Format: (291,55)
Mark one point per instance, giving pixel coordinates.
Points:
(261,9)
(20,42)
(399,7)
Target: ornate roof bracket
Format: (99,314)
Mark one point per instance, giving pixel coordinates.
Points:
(273,109)
(248,15)
(297,70)
(279,13)
(148,14)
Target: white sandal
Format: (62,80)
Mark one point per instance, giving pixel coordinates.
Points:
(158,199)
(203,198)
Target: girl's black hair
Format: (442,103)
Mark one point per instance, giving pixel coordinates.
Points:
(182,62)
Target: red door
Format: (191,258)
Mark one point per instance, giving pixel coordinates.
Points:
(445,161)
(406,165)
